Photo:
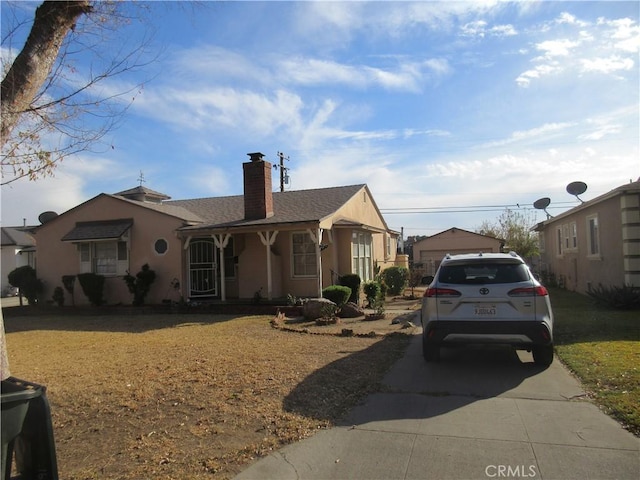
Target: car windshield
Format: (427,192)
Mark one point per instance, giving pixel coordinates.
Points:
(475,273)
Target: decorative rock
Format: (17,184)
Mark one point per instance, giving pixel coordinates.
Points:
(350,310)
(317,308)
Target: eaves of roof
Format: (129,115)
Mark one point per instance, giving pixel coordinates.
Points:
(632,187)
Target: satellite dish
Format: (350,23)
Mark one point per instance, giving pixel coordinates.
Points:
(577,188)
(45,217)
(542,204)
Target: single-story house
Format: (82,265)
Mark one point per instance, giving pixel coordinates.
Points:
(18,250)
(261,244)
(597,242)
(429,252)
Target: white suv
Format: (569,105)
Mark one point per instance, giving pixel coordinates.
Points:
(487,298)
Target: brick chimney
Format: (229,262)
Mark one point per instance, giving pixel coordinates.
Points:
(258,195)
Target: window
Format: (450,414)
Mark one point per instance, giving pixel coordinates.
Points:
(361,253)
(559,240)
(573,232)
(161,246)
(593,236)
(565,236)
(104,258)
(304,255)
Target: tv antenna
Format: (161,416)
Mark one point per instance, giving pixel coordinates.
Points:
(284,176)
(542,204)
(577,188)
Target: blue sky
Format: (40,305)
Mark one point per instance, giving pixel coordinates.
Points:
(455,109)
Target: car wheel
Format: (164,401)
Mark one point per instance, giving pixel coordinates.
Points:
(543,355)
(430,352)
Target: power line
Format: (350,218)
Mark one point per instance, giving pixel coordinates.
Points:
(466,209)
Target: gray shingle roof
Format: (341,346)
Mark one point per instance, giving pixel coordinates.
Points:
(289,207)
(99,230)
(16,236)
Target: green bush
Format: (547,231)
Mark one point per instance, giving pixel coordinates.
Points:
(396,279)
(372,291)
(352,281)
(140,285)
(69,281)
(338,294)
(25,279)
(93,287)
(58,296)
(626,297)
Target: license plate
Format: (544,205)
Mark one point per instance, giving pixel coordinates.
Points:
(485,311)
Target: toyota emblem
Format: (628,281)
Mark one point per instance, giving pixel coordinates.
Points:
(484,291)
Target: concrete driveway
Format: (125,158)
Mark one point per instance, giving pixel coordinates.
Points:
(480,413)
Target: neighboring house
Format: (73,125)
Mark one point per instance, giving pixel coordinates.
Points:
(597,242)
(18,249)
(429,252)
(258,244)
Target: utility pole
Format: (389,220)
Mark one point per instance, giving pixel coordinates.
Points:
(283,170)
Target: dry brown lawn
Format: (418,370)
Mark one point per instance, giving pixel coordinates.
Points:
(191,396)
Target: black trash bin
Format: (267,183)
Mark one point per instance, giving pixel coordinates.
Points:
(27,430)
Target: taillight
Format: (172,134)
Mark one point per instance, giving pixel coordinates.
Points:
(538,291)
(441,292)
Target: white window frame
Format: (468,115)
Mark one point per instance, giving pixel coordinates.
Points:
(593,236)
(362,255)
(304,263)
(93,260)
(559,241)
(573,236)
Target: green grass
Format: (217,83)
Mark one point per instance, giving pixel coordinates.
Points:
(602,347)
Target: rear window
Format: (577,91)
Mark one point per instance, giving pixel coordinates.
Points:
(483,273)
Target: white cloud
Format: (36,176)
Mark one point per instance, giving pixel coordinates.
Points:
(607,65)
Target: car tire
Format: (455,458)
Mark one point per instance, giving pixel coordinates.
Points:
(430,352)
(543,355)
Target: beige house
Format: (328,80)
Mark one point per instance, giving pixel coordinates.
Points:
(429,252)
(597,242)
(258,244)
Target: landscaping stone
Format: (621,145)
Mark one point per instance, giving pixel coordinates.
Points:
(350,310)
(318,307)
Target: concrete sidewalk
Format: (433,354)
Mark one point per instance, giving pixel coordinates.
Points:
(479,413)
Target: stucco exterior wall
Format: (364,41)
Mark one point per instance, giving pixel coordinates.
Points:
(574,268)
(57,258)
(615,262)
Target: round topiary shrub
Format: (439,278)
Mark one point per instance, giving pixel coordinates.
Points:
(338,294)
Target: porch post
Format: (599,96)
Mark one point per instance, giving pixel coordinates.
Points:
(268,239)
(221,241)
(317,238)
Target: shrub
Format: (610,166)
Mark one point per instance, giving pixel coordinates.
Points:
(352,281)
(626,297)
(372,291)
(93,287)
(396,279)
(69,282)
(25,279)
(338,294)
(58,296)
(140,285)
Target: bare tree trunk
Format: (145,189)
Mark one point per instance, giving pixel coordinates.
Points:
(53,20)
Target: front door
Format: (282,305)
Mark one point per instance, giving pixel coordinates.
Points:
(203,278)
